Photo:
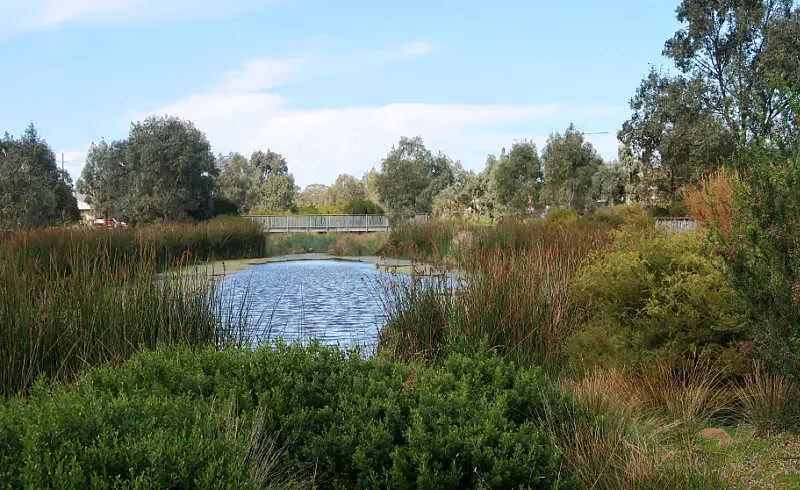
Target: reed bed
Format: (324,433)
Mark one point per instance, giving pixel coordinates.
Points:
(76,298)
(515,298)
(165,245)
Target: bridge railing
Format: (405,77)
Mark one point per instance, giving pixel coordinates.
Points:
(676,225)
(322,222)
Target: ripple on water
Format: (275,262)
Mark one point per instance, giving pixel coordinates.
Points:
(334,302)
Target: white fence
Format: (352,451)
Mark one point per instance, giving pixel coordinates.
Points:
(676,225)
(323,223)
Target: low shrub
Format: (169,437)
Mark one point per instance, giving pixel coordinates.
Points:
(178,418)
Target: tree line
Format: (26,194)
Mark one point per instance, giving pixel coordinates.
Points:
(733,91)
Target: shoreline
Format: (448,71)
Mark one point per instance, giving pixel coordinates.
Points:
(227,267)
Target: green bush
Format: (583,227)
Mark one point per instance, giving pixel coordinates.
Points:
(761,250)
(362,206)
(179,418)
(664,297)
(562,215)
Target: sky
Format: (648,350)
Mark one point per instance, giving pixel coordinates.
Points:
(331,85)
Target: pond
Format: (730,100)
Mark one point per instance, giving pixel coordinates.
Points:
(336,302)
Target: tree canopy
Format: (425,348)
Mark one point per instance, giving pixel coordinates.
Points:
(163,171)
(570,163)
(735,88)
(33,191)
(411,175)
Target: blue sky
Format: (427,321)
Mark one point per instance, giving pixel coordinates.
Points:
(330,84)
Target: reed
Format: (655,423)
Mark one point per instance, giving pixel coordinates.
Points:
(51,248)
(76,298)
(516,297)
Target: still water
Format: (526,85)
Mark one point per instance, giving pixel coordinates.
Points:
(338,303)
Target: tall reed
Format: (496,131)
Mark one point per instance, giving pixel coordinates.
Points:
(167,244)
(516,299)
(71,301)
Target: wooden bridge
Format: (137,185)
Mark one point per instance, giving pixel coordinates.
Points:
(304,223)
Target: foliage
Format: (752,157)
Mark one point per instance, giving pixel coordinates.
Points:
(361,206)
(260,185)
(313,196)
(761,254)
(233,181)
(662,297)
(346,189)
(712,204)
(608,184)
(33,192)
(411,176)
(674,135)
(352,423)
(736,89)
(516,177)
(277,193)
(163,171)
(729,46)
(570,162)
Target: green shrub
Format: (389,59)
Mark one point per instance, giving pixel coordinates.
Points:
(761,251)
(660,297)
(362,206)
(169,419)
(562,216)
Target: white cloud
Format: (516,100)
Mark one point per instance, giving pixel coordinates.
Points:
(320,144)
(414,49)
(269,73)
(23,15)
(244,113)
(262,74)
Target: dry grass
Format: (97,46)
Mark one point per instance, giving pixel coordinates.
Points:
(769,402)
(688,395)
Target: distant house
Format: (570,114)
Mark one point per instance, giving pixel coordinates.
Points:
(87,214)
